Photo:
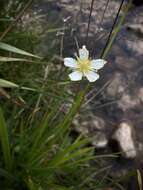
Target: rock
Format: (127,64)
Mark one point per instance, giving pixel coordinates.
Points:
(124,136)
(98,123)
(136,28)
(89,124)
(140,94)
(99,140)
(128,102)
(81,128)
(94,128)
(117,86)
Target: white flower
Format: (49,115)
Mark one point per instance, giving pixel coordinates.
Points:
(83,66)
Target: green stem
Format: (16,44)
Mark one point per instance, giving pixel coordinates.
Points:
(73,110)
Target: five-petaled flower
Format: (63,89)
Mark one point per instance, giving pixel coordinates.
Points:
(84,66)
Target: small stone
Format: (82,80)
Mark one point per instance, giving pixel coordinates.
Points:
(137,28)
(99,140)
(140,94)
(123,135)
(99,123)
(81,128)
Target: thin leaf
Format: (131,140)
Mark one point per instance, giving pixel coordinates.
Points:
(39,135)
(78,153)
(13,49)
(32,186)
(139,177)
(69,153)
(9,84)
(9,59)
(14,59)
(63,126)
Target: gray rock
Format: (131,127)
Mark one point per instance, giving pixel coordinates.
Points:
(124,136)
(94,128)
(99,140)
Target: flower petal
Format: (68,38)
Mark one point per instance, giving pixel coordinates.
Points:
(91,76)
(70,62)
(97,63)
(75,76)
(83,53)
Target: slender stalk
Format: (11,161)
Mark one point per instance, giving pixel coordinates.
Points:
(113,26)
(61,48)
(73,110)
(89,21)
(115,31)
(76,42)
(97,35)
(103,15)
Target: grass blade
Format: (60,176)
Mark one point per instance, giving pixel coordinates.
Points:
(14,59)
(139,177)
(13,49)
(69,153)
(5,142)
(62,127)
(9,84)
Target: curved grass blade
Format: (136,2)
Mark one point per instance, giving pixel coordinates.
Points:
(14,59)
(14,49)
(139,177)
(9,84)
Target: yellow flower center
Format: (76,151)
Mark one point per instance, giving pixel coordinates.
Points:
(84,65)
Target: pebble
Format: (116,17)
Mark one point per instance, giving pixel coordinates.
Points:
(99,140)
